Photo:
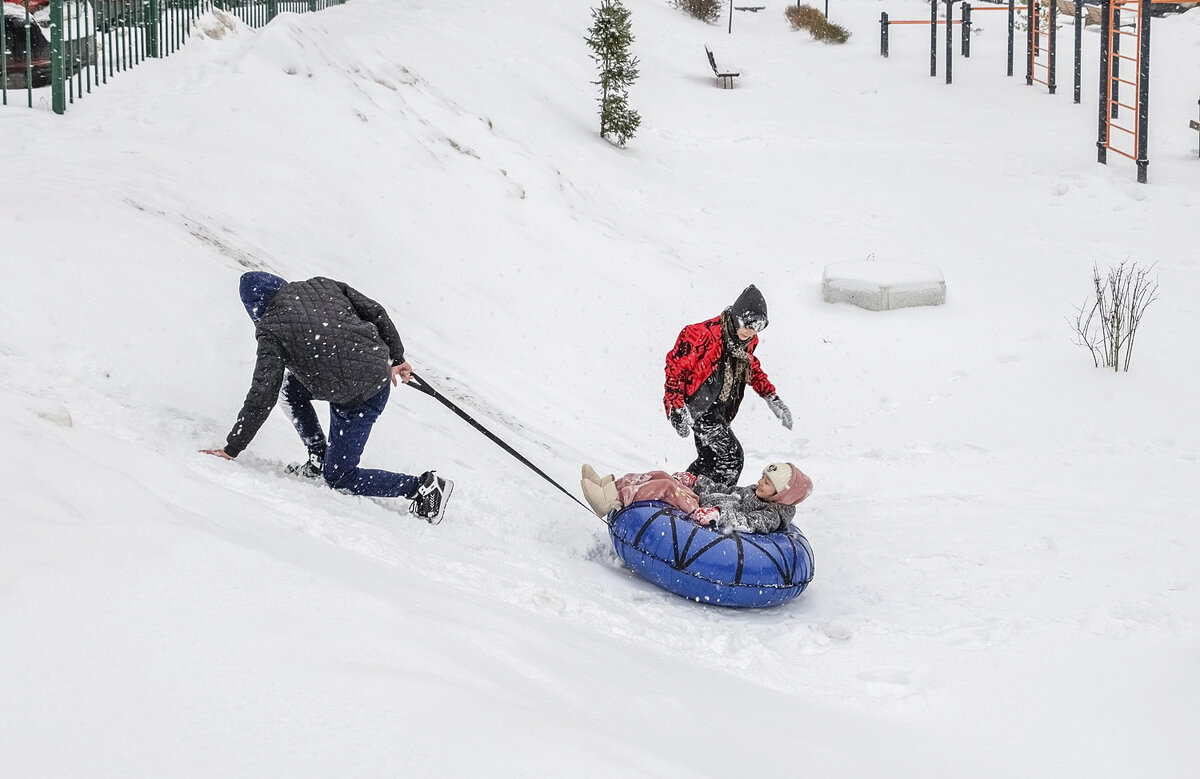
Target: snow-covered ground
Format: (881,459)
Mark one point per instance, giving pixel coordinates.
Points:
(1006,537)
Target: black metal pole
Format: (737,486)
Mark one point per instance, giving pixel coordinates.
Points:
(730,17)
(1031,22)
(1102,133)
(883,33)
(1079,47)
(1143,128)
(1052,60)
(949,41)
(933,38)
(1012,26)
(966,30)
(58,71)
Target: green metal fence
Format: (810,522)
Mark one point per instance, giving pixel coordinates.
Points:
(71,47)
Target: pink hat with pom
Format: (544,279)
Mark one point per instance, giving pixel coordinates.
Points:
(791,484)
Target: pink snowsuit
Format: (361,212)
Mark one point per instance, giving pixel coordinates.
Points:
(656,485)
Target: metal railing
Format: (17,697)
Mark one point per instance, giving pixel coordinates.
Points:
(74,46)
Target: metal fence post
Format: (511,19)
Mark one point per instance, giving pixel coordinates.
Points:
(151,26)
(1031,40)
(28,56)
(1012,25)
(1102,133)
(1079,47)
(1143,96)
(932,37)
(883,33)
(966,30)
(949,40)
(58,73)
(1052,61)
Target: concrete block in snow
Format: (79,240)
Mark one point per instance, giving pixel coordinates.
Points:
(880,285)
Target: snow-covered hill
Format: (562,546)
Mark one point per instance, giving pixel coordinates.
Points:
(1005,536)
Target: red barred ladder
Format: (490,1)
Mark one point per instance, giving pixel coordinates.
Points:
(1125,82)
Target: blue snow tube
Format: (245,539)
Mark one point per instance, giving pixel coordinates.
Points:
(660,544)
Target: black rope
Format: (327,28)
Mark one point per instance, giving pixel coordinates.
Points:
(416,382)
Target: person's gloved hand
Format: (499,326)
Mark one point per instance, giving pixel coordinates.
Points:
(681,420)
(686,478)
(780,409)
(706,516)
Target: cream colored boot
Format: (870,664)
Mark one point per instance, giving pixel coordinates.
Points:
(589,474)
(594,494)
(612,500)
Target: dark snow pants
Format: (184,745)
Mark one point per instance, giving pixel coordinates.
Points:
(297,402)
(349,428)
(719,454)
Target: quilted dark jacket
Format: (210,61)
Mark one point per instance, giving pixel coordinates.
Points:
(336,341)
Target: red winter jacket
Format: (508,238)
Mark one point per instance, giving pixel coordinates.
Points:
(696,355)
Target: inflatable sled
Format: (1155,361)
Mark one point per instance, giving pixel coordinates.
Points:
(660,544)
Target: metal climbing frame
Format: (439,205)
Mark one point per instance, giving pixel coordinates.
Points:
(1041,38)
(1124,37)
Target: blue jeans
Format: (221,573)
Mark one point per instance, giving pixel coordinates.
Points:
(349,428)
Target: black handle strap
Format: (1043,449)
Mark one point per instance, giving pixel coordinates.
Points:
(416,382)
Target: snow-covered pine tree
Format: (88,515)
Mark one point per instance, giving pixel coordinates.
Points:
(610,38)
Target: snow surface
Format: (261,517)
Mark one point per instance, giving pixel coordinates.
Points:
(1006,537)
(882,273)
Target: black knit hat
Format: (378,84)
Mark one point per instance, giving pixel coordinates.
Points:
(750,309)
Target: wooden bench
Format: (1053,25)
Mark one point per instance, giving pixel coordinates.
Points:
(751,8)
(1195,125)
(725,78)
(1091,13)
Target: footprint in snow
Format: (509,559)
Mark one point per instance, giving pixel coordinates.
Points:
(889,683)
(550,603)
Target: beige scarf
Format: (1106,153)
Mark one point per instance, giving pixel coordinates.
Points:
(735,358)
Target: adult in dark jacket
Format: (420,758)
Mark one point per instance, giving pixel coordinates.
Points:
(322,339)
(707,373)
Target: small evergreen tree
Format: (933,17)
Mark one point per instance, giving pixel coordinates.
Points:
(610,38)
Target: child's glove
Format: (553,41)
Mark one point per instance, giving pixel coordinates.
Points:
(780,409)
(681,419)
(686,478)
(706,516)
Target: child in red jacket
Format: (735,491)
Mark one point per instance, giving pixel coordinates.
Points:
(707,373)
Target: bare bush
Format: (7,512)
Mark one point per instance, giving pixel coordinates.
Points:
(806,17)
(1107,323)
(803,17)
(704,10)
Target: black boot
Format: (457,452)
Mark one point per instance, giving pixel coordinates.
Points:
(432,495)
